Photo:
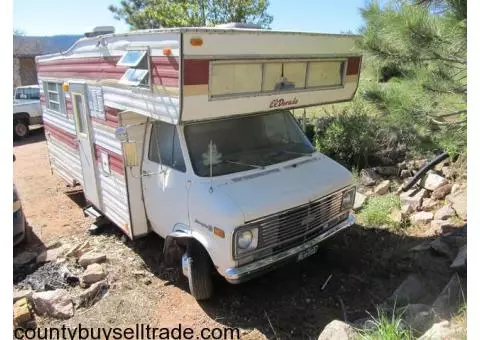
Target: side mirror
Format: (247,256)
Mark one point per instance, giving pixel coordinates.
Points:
(121,134)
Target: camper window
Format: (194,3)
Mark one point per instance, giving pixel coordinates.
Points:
(132,58)
(137,74)
(165,146)
(245,143)
(53,96)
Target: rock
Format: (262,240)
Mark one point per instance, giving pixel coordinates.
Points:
(460,262)
(459,202)
(359,200)
(146,281)
(410,290)
(436,227)
(24,258)
(91,257)
(22,294)
(405,173)
(387,170)
(396,216)
(368,177)
(53,244)
(92,274)
(444,213)
(450,298)
(429,204)
(406,209)
(91,295)
(441,192)
(50,255)
(448,172)
(420,163)
(402,165)
(337,330)
(439,166)
(22,312)
(413,197)
(79,249)
(441,248)
(455,188)
(382,188)
(421,217)
(417,316)
(439,331)
(54,303)
(433,181)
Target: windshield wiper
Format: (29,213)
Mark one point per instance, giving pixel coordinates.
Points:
(245,164)
(294,152)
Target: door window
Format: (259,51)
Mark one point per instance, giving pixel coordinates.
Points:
(165,146)
(81,118)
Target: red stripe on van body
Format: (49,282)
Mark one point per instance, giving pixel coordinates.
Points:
(196,72)
(353,66)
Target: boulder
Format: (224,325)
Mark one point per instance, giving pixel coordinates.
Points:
(441,192)
(419,163)
(449,300)
(444,213)
(448,172)
(78,249)
(92,294)
(410,290)
(460,262)
(24,258)
(417,316)
(22,294)
(92,274)
(433,181)
(429,204)
(359,200)
(91,257)
(441,248)
(22,312)
(50,255)
(439,331)
(382,188)
(436,227)
(421,217)
(338,330)
(413,197)
(54,303)
(387,170)
(459,202)
(405,173)
(368,177)
(406,209)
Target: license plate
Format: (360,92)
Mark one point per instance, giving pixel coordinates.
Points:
(307,252)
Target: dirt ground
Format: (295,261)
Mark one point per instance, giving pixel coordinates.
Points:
(366,266)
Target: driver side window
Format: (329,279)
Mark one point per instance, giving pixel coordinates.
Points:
(165,146)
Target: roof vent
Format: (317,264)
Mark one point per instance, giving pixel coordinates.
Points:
(100,30)
(239,25)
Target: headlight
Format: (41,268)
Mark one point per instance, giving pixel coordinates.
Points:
(348,198)
(246,240)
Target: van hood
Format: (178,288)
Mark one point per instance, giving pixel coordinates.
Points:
(285,186)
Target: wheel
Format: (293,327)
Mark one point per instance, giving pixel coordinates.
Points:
(199,272)
(20,128)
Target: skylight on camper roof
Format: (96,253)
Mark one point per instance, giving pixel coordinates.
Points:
(131,58)
(133,76)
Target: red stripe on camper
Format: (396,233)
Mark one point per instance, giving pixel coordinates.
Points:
(111,117)
(195,72)
(115,160)
(164,69)
(61,135)
(353,66)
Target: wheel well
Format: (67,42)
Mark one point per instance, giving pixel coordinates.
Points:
(176,246)
(21,115)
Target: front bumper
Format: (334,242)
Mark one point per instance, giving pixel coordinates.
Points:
(257,268)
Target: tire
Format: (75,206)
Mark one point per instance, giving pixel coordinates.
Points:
(20,128)
(200,272)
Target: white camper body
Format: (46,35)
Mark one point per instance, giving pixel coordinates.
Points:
(186,133)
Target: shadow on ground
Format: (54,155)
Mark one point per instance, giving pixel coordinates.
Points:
(365,264)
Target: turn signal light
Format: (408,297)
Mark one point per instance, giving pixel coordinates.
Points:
(196,42)
(219,232)
(167,52)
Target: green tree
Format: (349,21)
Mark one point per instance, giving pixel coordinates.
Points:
(144,14)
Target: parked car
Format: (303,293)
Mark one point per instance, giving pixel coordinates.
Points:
(26,110)
(19,221)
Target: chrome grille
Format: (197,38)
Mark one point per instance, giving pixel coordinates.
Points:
(288,228)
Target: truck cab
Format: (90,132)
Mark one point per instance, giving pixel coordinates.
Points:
(26,110)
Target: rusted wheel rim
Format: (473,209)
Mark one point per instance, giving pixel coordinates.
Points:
(21,129)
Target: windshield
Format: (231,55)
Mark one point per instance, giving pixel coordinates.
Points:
(245,143)
(27,93)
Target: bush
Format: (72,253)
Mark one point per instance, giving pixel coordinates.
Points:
(377,210)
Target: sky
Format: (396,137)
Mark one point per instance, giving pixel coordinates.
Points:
(54,17)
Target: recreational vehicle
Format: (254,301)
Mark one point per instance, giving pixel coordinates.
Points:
(188,133)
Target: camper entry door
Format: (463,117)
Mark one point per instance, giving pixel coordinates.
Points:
(83,126)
